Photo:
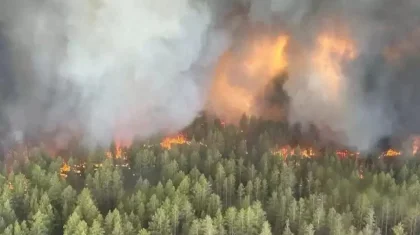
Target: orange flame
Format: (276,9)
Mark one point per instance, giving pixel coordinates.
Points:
(119,153)
(169,141)
(65,168)
(267,57)
(241,76)
(309,152)
(327,59)
(287,151)
(392,153)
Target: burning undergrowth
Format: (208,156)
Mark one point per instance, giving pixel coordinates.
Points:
(252,139)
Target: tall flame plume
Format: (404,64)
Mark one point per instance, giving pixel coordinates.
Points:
(242,75)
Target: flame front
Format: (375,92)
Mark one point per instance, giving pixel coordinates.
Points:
(241,76)
(310,152)
(169,141)
(392,153)
(288,151)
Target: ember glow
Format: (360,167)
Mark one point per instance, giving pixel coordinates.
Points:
(289,151)
(284,151)
(415,144)
(346,153)
(310,152)
(169,141)
(392,153)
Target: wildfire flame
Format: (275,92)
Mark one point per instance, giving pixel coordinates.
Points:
(118,151)
(327,60)
(392,153)
(267,58)
(65,168)
(288,151)
(257,65)
(169,141)
(309,152)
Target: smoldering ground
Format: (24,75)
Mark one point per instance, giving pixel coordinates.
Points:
(137,68)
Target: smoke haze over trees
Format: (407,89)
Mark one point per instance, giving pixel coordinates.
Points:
(226,180)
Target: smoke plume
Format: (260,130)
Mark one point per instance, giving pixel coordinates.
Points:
(118,69)
(102,68)
(352,65)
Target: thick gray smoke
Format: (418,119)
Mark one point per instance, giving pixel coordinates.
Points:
(102,68)
(378,87)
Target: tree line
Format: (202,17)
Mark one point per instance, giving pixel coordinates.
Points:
(225,181)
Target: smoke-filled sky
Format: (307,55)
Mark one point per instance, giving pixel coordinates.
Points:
(116,69)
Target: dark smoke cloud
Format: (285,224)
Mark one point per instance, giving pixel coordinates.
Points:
(381,96)
(144,67)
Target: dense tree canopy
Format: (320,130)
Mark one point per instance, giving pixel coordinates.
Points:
(225,180)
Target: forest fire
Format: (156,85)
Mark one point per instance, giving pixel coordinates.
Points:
(261,61)
(258,64)
(210,117)
(288,151)
(169,141)
(118,152)
(263,58)
(65,168)
(392,153)
(327,59)
(309,152)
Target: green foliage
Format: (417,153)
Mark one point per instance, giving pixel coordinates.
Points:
(226,181)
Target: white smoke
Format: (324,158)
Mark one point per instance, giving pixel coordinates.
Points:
(129,66)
